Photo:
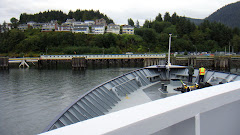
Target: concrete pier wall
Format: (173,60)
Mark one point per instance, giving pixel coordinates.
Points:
(222,62)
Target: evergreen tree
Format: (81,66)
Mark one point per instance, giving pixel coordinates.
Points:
(167,17)
(159,17)
(130,22)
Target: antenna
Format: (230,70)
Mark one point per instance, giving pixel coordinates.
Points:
(170,38)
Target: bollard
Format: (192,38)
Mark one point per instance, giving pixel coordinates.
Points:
(162,86)
(165,88)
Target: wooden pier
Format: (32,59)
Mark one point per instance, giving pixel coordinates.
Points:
(82,62)
(79,63)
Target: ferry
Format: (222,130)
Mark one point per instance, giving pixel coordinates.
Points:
(156,100)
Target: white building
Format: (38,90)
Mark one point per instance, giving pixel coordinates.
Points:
(112,28)
(23,27)
(47,27)
(89,22)
(98,29)
(127,29)
(78,23)
(64,27)
(101,22)
(81,29)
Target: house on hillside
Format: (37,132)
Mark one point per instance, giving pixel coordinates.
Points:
(31,23)
(47,27)
(101,22)
(23,27)
(64,27)
(98,29)
(89,22)
(78,23)
(80,29)
(127,29)
(70,22)
(37,25)
(112,28)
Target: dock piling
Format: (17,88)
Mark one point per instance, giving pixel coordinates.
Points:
(4,63)
(79,62)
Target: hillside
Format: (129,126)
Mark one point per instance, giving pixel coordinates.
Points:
(195,21)
(79,15)
(228,15)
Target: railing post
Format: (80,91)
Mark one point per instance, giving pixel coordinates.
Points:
(197,124)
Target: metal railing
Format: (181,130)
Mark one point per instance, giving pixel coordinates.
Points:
(107,56)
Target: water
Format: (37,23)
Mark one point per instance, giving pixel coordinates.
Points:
(30,98)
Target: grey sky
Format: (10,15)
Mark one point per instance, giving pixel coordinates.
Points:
(118,11)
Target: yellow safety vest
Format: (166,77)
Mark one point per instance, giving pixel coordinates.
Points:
(202,71)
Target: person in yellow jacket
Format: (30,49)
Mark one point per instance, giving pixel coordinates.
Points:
(201,74)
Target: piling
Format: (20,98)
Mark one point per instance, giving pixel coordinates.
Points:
(4,63)
(79,63)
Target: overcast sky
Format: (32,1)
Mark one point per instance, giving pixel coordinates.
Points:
(119,11)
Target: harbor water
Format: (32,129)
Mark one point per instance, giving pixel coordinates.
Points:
(30,98)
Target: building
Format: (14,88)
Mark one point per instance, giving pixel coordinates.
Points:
(31,23)
(112,28)
(89,22)
(127,29)
(70,22)
(23,27)
(47,27)
(78,23)
(37,25)
(81,29)
(98,29)
(101,22)
(64,27)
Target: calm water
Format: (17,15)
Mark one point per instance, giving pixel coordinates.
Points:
(30,98)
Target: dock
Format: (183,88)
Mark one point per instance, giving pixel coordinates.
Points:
(124,60)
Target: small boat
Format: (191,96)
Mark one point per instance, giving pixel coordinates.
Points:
(135,88)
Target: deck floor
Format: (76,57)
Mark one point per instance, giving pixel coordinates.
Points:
(143,95)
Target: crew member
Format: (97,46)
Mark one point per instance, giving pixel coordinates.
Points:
(201,74)
(190,73)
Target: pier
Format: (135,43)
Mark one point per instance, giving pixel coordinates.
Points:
(132,60)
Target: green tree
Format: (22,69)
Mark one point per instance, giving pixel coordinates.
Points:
(167,17)
(236,43)
(130,22)
(160,26)
(175,18)
(158,18)
(14,22)
(147,24)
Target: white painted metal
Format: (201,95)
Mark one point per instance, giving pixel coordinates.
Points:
(197,125)
(175,115)
(117,56)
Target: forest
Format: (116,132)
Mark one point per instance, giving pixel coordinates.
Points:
(79,15)
(152,37)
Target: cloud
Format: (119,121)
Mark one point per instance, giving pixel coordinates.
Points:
(119,11)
